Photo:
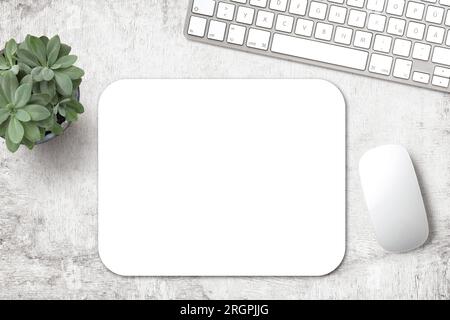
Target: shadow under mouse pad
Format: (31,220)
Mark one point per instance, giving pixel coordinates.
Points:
(222,177)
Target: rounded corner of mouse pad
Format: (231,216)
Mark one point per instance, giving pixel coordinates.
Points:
(222,178)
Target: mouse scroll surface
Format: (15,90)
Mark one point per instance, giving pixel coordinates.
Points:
(394,198)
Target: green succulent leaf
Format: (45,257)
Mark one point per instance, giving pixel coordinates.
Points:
(15,69)
(37,47)
(36,74)
(63,84)
(65,100)
(46,124)
(53,48)
(61,110)
(57,129)
(71,115)
(32,132)
(47,74)
(27,58)
(8,86)
(73,72)
(42,74)
(44,40)
(3,101)
(28,79)
(4,115)
(29,144)
(76,106)
(64,50)
(64,62)
(48,88)
(15,130)
(22,95)
(40,98)
(10,51)
(3,129)
(22,46)
(55,99)
(76,84)
(25,68)
(23,116)
(13,147)
(36,86)
(4,65)
(37,112)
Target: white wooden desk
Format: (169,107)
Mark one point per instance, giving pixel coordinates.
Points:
(48,197)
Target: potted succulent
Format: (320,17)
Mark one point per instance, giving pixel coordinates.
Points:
(39,91)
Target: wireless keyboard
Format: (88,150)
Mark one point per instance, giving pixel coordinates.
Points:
(397,40)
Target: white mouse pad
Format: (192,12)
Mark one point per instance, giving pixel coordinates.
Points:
(222,177)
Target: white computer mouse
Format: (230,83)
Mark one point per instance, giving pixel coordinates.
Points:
(394,198)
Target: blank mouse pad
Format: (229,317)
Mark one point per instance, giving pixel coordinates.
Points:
(222,177)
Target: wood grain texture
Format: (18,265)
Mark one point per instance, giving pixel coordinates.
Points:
(48,197)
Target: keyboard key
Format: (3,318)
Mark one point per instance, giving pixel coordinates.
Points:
(324,31)
(259,3)
(245,15)
(317,10)
(447,21)
(445,2)
(337,14)
(217,30)
(298,7)
(442,72)
(382,43)
(396,26)
(435,34)
(402,47)
(357,18)
(376,22)
(415,30)
(258,39)
(395,7)
(421,51)
(356,3)
(204,7)
(380,64)
(265,19)
(363,39)
(343,35)
(421,77)
(415,10)
(225,11)
(448,39)
(376,5)
(284,23)
(440,81)
(197,26)
(435,15)
(304,27)
(278,5)
(441,56)
(319,51)
(236,34)
(402,69)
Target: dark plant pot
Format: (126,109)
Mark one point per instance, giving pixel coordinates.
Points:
(65,124)
(50,136)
